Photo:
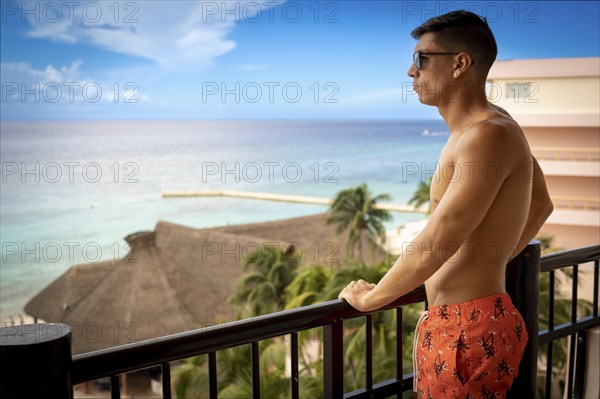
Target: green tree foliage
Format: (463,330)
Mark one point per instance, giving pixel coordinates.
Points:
(312,284)
(326,285)
(421,196)
(269,271)
(355,210)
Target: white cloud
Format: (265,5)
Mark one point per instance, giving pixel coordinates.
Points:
(174,34)
(254,67)
(22,83)
(23,72)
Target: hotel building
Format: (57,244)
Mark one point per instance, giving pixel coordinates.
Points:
(557,103)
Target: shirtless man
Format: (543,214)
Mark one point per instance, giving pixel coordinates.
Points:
(488,200)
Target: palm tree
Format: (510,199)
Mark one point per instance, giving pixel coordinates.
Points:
(307,288)
(547,244)
(262,289)
(355,210)
(312,284)
(190,380)
(273,382)
(421,196)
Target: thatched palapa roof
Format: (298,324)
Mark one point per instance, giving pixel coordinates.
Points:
(175,279)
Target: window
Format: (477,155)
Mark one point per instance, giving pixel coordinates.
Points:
(520,90)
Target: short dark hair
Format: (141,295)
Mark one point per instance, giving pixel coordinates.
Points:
(463,31)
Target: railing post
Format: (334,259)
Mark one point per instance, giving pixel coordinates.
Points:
(333,360)
(36,361)
(523,286)
(580,365)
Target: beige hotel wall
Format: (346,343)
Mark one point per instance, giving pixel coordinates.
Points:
(550,95)
(563,136)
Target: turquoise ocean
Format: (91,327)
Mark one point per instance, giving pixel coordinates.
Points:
(71,191)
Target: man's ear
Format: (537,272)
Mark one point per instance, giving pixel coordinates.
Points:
(463,60)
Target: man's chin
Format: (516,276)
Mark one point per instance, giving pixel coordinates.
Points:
(426,101)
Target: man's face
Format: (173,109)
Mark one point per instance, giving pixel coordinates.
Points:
(435,74)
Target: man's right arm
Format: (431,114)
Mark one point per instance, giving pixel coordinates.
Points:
(539,210)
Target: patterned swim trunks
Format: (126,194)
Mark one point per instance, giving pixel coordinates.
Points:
(468,350)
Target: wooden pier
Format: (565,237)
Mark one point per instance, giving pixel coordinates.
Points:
(281,197)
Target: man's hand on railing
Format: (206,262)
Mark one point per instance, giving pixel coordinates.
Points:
(355,293)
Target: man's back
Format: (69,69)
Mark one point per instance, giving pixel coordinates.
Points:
(477,268)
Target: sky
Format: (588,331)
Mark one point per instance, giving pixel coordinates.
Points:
(303,59)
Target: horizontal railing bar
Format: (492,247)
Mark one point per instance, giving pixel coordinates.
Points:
(568,258)
(566,329)
(130,357)
(383,389)
(361,393)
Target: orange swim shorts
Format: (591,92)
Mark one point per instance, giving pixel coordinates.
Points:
(468,350)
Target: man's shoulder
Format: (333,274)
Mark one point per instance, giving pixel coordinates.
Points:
(492,126)
(495,139)
(490,133)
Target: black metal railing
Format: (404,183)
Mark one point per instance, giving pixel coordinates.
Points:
(576,328)
(522,286)
(330,315)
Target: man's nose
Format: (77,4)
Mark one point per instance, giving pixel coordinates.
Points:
(412,70)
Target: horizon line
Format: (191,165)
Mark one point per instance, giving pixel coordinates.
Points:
(224,119)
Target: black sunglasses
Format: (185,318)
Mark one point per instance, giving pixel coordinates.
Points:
(418,54)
